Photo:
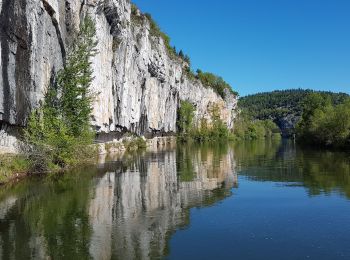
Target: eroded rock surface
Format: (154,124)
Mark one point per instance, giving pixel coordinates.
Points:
(137,85)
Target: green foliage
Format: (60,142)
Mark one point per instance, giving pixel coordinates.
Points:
(248,129)
(208,79)
(133,9)
(217,83)
(323,122)
(135,144)
(136,19)
(184,163)
(217,130)
(181,54)
(157,32)
(185,118)
(74,81)
(189,73)
(277,105)
(10,165)
(59,130)
(187,59)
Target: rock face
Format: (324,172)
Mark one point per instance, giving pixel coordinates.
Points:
(137,85)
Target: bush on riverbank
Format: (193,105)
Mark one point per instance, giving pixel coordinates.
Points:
(11,165)
(324,123)
(216,130)
(135,144)
(248,129)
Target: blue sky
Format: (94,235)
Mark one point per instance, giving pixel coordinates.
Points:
(262,45)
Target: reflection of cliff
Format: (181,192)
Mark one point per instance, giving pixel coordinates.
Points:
(130,211)
(150,202)
(100,208)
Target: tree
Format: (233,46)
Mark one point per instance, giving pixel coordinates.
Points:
(185,117)
(59,129)
(324,123)
(74,81)
(181,54)
(188,60)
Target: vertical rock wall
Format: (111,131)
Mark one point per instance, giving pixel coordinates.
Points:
(137,85)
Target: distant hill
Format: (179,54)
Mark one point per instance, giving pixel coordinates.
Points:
(284,107)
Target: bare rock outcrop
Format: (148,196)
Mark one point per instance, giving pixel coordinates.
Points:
(138,85)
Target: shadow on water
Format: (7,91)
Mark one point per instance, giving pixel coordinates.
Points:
(124,208)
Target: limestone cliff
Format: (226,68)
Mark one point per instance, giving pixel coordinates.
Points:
(138,86)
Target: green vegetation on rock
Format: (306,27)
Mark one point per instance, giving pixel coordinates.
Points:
(217,83)
(206,78)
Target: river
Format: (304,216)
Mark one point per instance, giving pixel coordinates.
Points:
(251,200)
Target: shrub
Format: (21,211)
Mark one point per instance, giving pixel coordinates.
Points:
(135,144)
(12,164)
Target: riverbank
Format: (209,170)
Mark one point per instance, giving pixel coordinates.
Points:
(14,167)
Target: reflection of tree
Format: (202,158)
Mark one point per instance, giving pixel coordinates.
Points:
(325,172)
(130,209)
(51,219)
(319,171)
(184,163)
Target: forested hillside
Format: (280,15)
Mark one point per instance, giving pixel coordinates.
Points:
(284,107)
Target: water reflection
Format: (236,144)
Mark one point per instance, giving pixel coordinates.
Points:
(125,209)
(130,207)
(319,171)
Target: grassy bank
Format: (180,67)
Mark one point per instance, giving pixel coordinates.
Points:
(12,167)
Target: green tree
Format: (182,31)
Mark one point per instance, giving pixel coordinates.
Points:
(74,81)
(181,54)
(185,118)
(324,123)
(59,129)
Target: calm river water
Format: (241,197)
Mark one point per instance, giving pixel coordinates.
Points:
(256,200)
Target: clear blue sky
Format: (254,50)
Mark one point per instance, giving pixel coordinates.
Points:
(262,45)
